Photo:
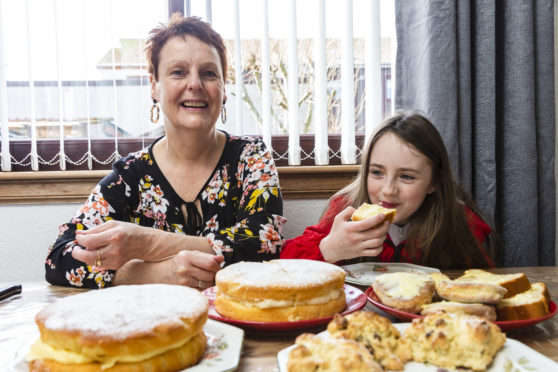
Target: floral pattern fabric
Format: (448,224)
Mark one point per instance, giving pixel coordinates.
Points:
(241,210)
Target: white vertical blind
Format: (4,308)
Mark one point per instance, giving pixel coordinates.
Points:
(266,78)
(292,60)
(392,59)
(87,92)
(348,148)
(32,103)
(58,48)
(321,148)
(373,70)
(238,68)
(114,93)
(208,11)
(6,156)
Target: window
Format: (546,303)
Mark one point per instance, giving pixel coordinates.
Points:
(75,88)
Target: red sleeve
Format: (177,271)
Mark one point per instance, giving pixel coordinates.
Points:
(480,231)
(307,245)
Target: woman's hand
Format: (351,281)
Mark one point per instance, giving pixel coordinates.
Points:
(348,239)
(196,269)
(115,242)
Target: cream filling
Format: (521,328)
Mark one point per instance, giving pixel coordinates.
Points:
(405,288)
(41,350)
(262,303)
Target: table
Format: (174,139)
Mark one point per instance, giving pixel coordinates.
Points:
(260,350)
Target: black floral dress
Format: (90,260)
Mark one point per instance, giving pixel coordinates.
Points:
(241,210)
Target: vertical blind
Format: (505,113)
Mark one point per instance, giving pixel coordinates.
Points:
(334,75)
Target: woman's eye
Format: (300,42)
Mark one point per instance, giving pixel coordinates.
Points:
(176,73)
(210,74)
(407,177)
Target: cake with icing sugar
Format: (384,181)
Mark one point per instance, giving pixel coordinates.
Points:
(123,328)
(280,290)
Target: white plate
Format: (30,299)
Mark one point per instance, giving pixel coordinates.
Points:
(224,344)
(364,273)
(514,356)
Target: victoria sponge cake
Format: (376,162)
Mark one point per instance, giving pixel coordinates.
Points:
(150,327)
(280,290)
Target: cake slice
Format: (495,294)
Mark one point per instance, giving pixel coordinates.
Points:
(533,303)
(514,283)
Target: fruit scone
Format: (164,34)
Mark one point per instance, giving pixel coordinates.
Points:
(405,291)
(452,340)
(376,333)
(321,354)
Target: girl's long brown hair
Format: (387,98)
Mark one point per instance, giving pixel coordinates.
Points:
(439,227)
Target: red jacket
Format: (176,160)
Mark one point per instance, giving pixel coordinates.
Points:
(307,245)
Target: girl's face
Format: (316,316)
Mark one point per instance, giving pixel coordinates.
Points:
(190,87)
(399,176)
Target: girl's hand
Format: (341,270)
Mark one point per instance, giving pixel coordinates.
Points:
(348,239)
(196,269)
(115,242)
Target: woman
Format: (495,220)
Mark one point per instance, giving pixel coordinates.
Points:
(193,201)
(405,166)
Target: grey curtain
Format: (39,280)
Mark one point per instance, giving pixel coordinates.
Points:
(483,71)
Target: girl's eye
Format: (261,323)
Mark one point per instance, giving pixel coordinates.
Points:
(375,173)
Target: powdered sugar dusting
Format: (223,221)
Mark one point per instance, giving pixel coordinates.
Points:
(124,310)
(290,273)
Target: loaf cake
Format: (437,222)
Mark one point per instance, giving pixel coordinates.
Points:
(533,303)
(405,291)
(316,354)
(376,333)
(280,290)
(151,327)
(513,283)
(368,210)
(451,340)
(487,312)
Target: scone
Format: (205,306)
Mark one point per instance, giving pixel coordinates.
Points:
(280,290)
(315,354)
(470,292)
(151,327)
(533,303)
(450,340)
(514,283)
(368,210)
(481,310)
(376,333)
(405,291)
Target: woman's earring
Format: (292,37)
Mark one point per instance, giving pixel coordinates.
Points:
(223,114)
(154,109)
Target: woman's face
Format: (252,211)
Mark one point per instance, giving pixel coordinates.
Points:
(190,89)
(399,177)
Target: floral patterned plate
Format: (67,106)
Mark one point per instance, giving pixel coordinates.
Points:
(224,344)
(505,325)
(356,299)
(514,356)
(364,273)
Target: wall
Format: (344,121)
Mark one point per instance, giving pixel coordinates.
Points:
(27,230)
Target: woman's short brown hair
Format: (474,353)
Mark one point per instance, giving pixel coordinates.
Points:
(180,26)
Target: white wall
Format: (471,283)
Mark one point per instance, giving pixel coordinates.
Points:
(26,231)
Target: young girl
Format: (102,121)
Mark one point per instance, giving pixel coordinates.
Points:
(404,166)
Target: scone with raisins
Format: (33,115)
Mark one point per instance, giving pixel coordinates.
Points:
(376,333)
(318,354)
(452,340)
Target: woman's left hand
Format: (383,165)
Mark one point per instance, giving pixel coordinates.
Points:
(112,244)
(196,269)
